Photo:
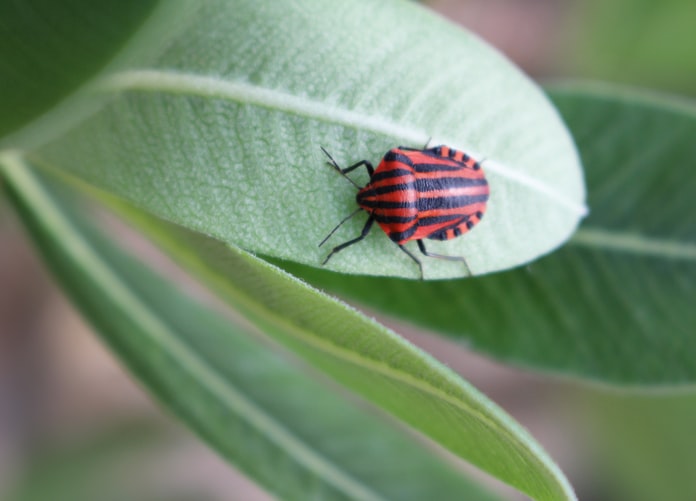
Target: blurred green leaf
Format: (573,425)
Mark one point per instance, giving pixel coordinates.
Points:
(213,115)
(634,41)
(617,303)
(299,436)
(49,49)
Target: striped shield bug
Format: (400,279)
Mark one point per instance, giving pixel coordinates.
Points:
(437,193)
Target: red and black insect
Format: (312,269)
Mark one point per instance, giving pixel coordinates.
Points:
(437,193)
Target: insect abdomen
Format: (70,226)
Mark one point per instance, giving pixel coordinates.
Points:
(452,193)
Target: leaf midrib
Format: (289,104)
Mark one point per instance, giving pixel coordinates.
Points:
(181,83)
(633,243)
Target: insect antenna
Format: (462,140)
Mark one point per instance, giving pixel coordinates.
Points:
(339,224)
(333,164)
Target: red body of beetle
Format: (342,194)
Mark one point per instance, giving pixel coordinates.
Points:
(436,193)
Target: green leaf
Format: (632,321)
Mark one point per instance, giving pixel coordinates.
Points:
(206,123)
(367,358)
(617,303)
(360,354)
(51,48)
(644,43)
(299,436)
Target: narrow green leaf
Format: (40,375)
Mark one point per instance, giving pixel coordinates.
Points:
(617,303)
(297,435)
(206,124)
(366,358)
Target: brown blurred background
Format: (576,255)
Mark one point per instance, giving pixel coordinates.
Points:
(71,419)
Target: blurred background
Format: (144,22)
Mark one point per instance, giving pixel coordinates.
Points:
(72,422)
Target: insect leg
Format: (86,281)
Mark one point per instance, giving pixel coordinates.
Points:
(339,225)
(408,252)
(363,234)
(366,163)
(425,252)
(334,164)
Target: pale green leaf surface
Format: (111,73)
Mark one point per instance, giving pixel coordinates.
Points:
(296,434)
(616,304)
(217,127)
